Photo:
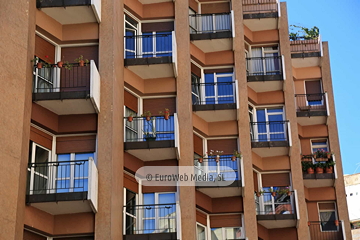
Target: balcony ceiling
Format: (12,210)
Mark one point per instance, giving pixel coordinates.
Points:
(71,15)
(271,224)
(153,70)
(261,24)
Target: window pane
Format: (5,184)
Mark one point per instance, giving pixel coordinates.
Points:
(216,234)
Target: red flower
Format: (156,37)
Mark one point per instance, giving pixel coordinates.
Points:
(47,56)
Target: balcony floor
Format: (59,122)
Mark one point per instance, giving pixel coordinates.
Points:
(212,42)
(277,220)
(152,150)
(271,149)
(216,112)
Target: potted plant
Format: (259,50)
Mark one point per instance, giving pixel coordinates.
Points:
(130,117)
(35,60)
(284,191)
(166,113)
(201,159)
(147,115)
(319,167)
(308,33)
(320,155)
(329,166)
(67,65)
(60,63)
(308,167)
(216,153)
(235,155)
(47,62)
(259,193)
(149,136)
(308,157)
(336,222)
(81,61)
(273,193)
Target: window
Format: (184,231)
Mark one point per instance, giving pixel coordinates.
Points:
(219,88)
(200,231)
(280,204)
(131,128)
(327,215)
(320,144)
(265,61)
(314,95)
(156,44)
(226,233)
(269,125)
(43,82)
(195,89)
(131,31)
(130,213)
(38,170)
(160,215)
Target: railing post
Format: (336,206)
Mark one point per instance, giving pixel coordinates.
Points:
(283,67)
(327,104)
(289,134)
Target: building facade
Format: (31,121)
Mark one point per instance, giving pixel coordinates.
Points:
(352,188)
(98,89)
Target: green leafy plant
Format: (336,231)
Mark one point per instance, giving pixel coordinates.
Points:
(308,33)
(237,154)
(306,165)
(329,164)
(81,60)
(319,165)
(67,65)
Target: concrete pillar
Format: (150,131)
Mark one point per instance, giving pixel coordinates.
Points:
(17,49)
(290,110)
(184,110)
(250,221)
(334,141)
(110,162)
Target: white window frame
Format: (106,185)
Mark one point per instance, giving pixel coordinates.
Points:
(216,96)
(263,52)
(205,228)
(332,210)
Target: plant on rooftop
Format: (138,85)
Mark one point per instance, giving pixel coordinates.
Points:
(308,33)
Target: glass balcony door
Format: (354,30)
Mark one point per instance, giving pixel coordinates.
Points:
(38,169)
(270,125)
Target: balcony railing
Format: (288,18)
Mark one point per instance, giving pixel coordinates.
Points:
(157,128)
(149,45)
(148,219)
(225,166)
(60,177)
(269,131)
(311,102)
(260,6)
(326,230)
(257,66)
(210,23)
(213,93)
(303,45)
(281,203)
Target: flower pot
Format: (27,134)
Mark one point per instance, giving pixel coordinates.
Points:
(329,155)
(217,159)
(309,223)
(200,160)
(233,158)
(148,118)
(166,116)
(81,63)
(329,169)
(258,194)
(319,170)
(39,65)
(60,64)
(336,222)
(130,118)
(273,194)
(310,171)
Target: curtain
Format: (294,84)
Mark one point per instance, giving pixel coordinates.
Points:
(257,67)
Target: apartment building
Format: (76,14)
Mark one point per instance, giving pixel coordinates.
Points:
(352,188)
(115,86)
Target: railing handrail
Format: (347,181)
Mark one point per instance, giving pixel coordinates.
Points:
(282,121)
(149,35)
(58,162)
(156,116)
(303,38)
(145,205)
(214,83)
(268,57)
(209,14)
(309,94)
(323,221)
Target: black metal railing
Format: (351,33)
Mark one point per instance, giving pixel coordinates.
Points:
(72,78)
(304,44)
(58,177)
(256,66)
(311,102)
(62,3)
(147,219)
(210,23)
(213,93)
(227,166)
(325,230)
(268,131)
(148,45)
(281,203)
(155,128)
(259,6)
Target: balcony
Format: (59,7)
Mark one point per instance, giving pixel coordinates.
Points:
(265,74)
(260,15)
(216,101)
(228,168)
(151,55)
(312,109)
(154,222)
(317,179)
(276,211)
(152,139)
(65,91)
(326,230)
(212,32)
(269,139)
(63,187)
(71,11)
(306,52)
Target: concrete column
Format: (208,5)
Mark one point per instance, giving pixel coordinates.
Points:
(334,141)
(290,110)
(17,49)
(184,110)
(243,123)
(108,220)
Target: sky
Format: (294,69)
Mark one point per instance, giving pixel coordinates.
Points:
(339,24)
